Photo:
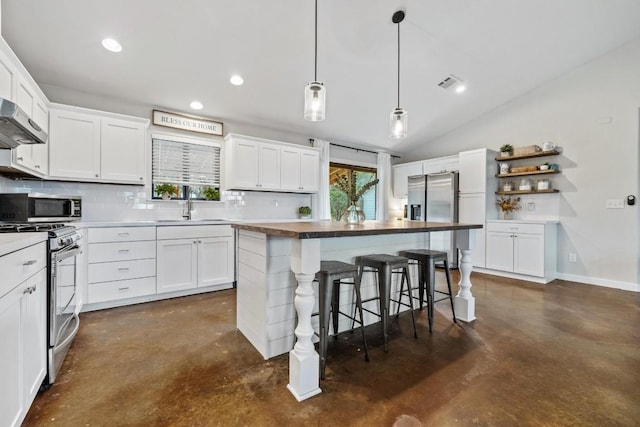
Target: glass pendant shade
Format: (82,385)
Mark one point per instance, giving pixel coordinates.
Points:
(315,102)
(398,124)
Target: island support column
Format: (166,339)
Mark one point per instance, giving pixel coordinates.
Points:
(464,301)
(304,374)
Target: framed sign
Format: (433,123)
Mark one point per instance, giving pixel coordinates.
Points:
(184,122)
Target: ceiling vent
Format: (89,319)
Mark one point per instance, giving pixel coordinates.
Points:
(453,83)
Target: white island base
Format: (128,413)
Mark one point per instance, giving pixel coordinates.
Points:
(275,282)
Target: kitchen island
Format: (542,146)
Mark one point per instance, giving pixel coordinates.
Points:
(277,263)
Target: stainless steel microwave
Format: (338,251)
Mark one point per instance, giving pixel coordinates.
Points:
(36,207)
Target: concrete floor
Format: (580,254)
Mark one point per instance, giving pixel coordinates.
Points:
(564,354)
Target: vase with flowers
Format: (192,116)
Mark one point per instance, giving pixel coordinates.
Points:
(347,183)
(507,205)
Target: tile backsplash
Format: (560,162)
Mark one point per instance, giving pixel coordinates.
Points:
(107,202)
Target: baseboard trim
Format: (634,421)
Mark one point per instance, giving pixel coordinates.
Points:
(607,283)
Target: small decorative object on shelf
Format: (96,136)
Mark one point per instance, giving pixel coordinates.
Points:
(507,186)
(504,168)
(525,185)
(543,184)
(544,166)
(347,184)
(304,212)
(527,150)
(508,205)
(506,150)
(166,191)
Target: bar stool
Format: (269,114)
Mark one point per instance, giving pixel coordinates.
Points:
(329,278)
(383,265)
(427,260)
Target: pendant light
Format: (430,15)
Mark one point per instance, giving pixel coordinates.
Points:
(315,93)
(398,117)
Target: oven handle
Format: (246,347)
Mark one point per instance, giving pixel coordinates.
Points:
(68,253)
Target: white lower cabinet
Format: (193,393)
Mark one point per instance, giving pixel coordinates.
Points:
(522,247)
(22,331)
(122,263)
(195,257)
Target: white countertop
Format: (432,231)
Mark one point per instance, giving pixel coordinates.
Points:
(174,222)
(11,242)
(526,221)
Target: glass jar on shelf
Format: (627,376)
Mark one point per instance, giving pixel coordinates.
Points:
(525,184)
(543,184)
(507,186)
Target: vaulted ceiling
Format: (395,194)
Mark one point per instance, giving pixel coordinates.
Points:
(178,51)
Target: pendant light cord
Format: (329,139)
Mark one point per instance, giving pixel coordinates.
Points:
(315,61)
(398,64)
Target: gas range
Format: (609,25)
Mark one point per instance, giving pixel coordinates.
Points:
(60,235)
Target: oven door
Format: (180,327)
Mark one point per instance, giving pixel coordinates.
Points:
(62,292)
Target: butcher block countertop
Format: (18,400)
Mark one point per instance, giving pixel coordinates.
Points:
(323,229)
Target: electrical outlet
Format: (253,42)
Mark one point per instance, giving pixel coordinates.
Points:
(531,207)
(614,204)
(572,257)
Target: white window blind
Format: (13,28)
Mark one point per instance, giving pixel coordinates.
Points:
(183,163)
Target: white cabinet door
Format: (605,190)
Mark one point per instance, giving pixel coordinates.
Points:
(34,336)
(309,171)
(400,174)
(243,167)
(177,265)
(11,388)
(7,77)
(291,168)
(473,171)
(269,167)
(499,251)
(25,96)
(74,145)
(471,210)
(122,152)
(300,170)
(215,261)
(450,163)
(528,254)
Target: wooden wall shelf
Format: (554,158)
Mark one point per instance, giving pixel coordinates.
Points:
(515,192)
(529,156)
(537,172)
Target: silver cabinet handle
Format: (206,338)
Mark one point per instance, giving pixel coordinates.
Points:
(123,251)
(123,289)
(37,166)
(123,269)
(97,175)
(29,290)
(123,234)
(30,262)
(20,158)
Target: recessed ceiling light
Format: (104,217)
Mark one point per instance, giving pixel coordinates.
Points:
(236,80)
(460,88)
(111,45)
(453,83)
(196,105)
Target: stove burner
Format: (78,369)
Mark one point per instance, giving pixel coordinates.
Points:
(23,228)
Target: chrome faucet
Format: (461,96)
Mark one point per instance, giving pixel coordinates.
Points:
(188,207)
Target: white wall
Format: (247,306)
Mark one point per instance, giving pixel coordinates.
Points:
(593,113)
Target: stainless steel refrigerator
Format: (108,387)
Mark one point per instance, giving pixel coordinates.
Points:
(434,197)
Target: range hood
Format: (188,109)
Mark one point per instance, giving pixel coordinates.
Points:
(16,128)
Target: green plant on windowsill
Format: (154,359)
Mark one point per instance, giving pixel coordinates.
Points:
(211,193)
(166,190)
(304,212)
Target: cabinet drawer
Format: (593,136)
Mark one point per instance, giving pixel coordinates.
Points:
(121,289)
(109,271)
(121,234)
(124,251)
(194,231)
(516,227)
(18,266)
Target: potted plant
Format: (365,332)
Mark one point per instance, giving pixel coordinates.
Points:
(304,212)
(506,150)
(211,193)
(166,190)
(508,205)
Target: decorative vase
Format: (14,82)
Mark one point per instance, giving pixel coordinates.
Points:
(166,196)
(505,214)
(354,215)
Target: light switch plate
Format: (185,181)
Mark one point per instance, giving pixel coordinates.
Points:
(614,204)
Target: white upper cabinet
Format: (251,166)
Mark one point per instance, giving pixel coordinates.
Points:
(475,170)
(87,145)
(263,165)
(118,137)
(440,164)
(300,169)
(7,77)
(401,173)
